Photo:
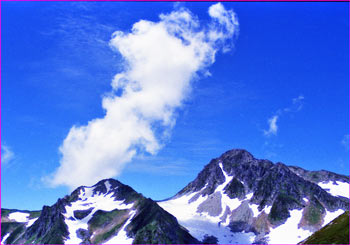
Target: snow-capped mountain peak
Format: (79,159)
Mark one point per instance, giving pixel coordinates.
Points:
(237,198)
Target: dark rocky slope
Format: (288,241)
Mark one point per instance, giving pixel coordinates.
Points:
(150,224)
(283,187)
(274,189)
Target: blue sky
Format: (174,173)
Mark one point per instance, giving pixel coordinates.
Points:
(281,92)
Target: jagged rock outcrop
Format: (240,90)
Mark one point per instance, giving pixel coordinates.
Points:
(271,190)
(140,220)
(50,227)
(236,198)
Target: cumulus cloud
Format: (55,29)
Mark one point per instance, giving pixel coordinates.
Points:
(6,154)
(160,59)
(297,105)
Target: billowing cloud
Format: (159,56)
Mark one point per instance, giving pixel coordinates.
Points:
(161,59)
(6,154)
(272,126)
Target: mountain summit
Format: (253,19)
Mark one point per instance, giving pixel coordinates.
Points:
(108,212)
(236,198)
(239,199)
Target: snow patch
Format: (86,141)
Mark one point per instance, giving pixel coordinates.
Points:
(256,212)
(88,200)
(232,204)
(201,224)
(19,217)
(286,233)
(4,238)
(121,237)
(108,185)
(331,216)
(249,196)
(267,209)
(337,189)
(226,201)
(30,222)
(227,179)
(255,209)
(305,199)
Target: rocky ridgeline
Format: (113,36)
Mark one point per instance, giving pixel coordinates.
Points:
(274,187)
(151,224)
(281,187)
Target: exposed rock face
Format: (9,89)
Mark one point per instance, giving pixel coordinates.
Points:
(241,219)
(235,189)
(50,226)
(212,205)
(276,187)
(234,194)
(271,183)
(318,176)
(140,218)
(153,225)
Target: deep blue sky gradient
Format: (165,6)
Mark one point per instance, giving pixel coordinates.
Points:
(56,65)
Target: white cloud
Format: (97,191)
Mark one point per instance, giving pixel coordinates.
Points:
(297,105)
(160,60)
(272,126)
(6,154)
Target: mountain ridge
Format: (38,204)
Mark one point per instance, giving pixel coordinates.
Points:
(236,198)
(109,208)
(265,192)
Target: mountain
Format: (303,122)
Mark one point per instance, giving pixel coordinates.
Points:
(336,232)
(108,212)
(239,199)
(235,199)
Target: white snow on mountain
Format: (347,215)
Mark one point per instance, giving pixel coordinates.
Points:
(4,238)
(121,237)
(336,188)
(87,200)
(289,233)
(331,216)
(30,222)
(201,224)
(19,216)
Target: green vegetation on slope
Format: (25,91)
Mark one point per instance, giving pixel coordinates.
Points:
(102,218)
(336,232)
(104,224)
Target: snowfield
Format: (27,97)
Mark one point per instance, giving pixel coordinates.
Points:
(19,217)
(30,222)
(286,233)
(200,224)
(331,216)
(104,202)
(4,238)
(336,189)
